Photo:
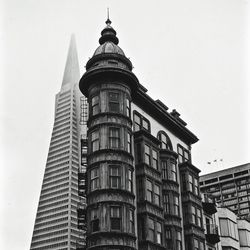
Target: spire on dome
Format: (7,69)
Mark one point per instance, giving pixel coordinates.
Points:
(71,71)
(108,33)
(108,22)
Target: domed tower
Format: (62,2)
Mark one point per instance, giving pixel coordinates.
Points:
(108,83)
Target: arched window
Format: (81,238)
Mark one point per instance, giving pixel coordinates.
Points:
(165,140)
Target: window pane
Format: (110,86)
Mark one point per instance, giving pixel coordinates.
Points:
(114,138)
(147,154)
(149,191)
(114,102)
(145,124)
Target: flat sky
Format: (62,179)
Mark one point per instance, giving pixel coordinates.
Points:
(190,54)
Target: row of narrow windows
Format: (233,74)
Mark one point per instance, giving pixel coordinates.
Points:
(52,205)
(55,172)
(58,175)
(51,234)
(51,216)
(51,228)
(42,202)
(56,132)
(55,182)
(57,187)
(51,194)
(51,211)
(60,126)
(58,160)
(60,238)
(54,221)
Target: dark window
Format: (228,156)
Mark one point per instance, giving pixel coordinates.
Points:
(114,137)
(157,194)
(128,107)
(95,140)
(115,176)
(196,186)
(154,159)
(94,220)
(94,178)
(115,218)
(151,229)
(165,141)
(114,102)
(129,142)
(199,218)
(183,154)
(178,240)
(176,205)
(95,105)
(130,180)
(169,241)
(131,221)
(149,191)
(140,122)
(145,124)
(173,171)
(158,233)
(137,122)
(164,169)
(166,203)
(147,154)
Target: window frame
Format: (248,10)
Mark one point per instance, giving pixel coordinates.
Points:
(94,179)
(114,104)
(114,138)
(115,218)
(113,176)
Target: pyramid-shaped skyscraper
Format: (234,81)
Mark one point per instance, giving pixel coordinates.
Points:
(56,225)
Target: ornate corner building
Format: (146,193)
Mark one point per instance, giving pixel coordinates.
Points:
(142,189)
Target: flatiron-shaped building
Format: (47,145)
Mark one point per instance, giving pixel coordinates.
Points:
(56,224)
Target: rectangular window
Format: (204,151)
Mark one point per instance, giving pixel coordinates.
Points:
(169,240)
(129,142)
(224,229)
(155,159)
(178,240)
(196,244)
(199,218)
(128,107)
(163,140)
(193,213)
(164,170)
(173,171)
(131,221)
(130,180)
(145,124)
(95,140)
(190,183)
(114,102)
(147,154)
(94,220)
(176,205)
(114,137)
(157,194)
(149,191)
(151,229)
(115,177)
(196,186)
(115,218)
(94,178)
(95,105)
(166,203)
(158,233)
(137,122)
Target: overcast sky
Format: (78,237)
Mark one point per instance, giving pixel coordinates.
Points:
(190,54)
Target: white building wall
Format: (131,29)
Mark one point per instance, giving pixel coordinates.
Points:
(244,234)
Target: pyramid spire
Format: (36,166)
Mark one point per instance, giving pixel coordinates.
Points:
(71,71)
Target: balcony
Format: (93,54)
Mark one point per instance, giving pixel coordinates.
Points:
(208,203)
(212,233)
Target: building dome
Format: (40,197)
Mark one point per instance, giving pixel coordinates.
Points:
(108,47)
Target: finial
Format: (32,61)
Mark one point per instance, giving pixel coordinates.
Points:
(108,22)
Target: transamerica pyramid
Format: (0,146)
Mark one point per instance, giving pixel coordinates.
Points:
(56,225)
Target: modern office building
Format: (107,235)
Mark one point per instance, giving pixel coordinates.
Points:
(230,187)
(142,188)
(234,232)
(56,224)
